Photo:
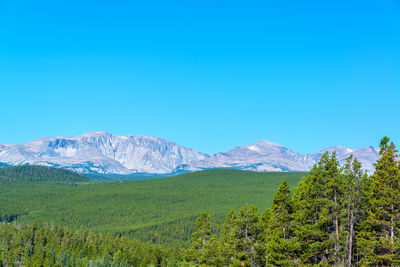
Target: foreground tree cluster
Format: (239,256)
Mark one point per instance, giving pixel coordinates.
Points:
(52,245)
(338,216)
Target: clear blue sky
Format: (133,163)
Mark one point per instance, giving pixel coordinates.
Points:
(209,75)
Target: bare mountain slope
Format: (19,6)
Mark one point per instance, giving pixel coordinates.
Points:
(101,152)
(268,156)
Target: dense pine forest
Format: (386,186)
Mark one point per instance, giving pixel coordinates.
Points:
(336,216)
(39,174)
(51,245)
(158,210)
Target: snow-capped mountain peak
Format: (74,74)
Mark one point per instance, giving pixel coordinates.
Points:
(102,152)
(263,146)
(268,156)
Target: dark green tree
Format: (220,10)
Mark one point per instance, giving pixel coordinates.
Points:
(247,236)
(205,246)
(352,187)
(228,239)
(279,244)
(316,204)
(378,239)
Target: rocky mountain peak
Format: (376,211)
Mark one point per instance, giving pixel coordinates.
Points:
(102,152)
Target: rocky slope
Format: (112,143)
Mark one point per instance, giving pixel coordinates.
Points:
(268,156)
(101,152)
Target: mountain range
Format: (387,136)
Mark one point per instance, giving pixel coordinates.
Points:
(104,153)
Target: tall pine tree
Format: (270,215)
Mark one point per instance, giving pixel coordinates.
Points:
(352,187)
(378,239)
(279,243)
(228,239)
(316,203)
(204,250)
(247,236)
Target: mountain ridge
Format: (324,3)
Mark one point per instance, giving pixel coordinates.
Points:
(104,153)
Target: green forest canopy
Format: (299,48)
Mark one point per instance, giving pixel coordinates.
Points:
(159,210)
(35,173)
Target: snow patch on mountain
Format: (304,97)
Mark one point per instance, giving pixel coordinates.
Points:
(269,156)
(102,152)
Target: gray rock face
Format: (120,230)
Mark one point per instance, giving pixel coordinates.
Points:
(101,152)
(268,156)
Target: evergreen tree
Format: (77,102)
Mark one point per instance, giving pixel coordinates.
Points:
(203,233)
(378,240)
(228,238)
(247,236)
(316,216)
(212,255)
(204,250)
(279,244)
(353,184)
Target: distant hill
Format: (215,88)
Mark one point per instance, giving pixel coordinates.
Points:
(39,174)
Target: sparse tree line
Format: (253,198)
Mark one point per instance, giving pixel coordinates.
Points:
(338,216)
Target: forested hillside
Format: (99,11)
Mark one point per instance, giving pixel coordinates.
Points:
(39,174)
(158,210)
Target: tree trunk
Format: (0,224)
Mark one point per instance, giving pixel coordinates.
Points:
(392,228)
(336,227)
(350,248)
